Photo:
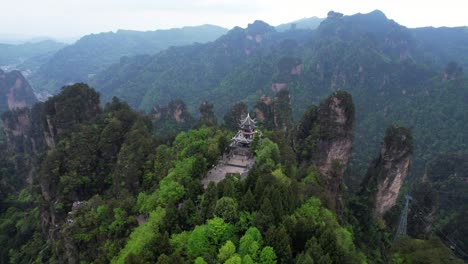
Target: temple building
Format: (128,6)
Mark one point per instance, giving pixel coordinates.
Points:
(245,136)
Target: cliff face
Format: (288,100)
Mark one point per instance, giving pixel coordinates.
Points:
(275,113)
(336,121)
(171,119)
(387,173)
(36,130)
(15,91)
(324,138)
(17,127)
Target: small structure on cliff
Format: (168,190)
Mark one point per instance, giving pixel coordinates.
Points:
(246,133)
(239,160)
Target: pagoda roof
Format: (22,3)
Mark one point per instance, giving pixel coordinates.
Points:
(247,121)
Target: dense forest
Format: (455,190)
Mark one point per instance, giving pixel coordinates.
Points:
(358,155)
(91,185)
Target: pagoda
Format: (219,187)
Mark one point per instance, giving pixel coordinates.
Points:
(245,136)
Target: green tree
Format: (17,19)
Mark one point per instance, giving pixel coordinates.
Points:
(226,251)
(268,256)
(265,216)
(226,208)
(198,244)
(200,260)
(278,238)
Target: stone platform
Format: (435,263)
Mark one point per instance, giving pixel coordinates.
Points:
(237,161)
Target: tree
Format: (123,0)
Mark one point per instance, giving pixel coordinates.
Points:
(265,216)
(268,256)
(237,111)
(208,202)
(278,238)
(219,231)
(268,155)
(226,251)
(226,208)
(236,259)
(248,201)
(198,244)
(200,260)
(304,258)
(251,243)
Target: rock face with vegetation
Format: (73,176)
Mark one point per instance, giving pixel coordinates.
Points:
(38,129)
(15,91)
(324,137)
(275,113)
(171,119)
(386,175)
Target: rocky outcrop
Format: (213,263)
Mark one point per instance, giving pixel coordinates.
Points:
(38,129)
(275,113)
(388,172)
(176,111)
(335,117)
(15,91)
(171,119)
(207,114)
(324,138)
(17,128)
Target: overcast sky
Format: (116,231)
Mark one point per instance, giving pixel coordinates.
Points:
(74,18)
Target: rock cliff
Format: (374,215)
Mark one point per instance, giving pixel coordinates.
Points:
(15,91)
(275,113)
(324,138)
(36,130)
(388,172)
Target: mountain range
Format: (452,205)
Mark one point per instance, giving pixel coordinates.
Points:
(393,72)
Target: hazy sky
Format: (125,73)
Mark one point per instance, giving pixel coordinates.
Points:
(72,18)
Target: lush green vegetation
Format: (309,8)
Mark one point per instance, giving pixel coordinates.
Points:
(112,191)
(91,184)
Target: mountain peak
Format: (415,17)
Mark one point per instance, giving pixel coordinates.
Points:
(333,14)
(259,27)
(377,13)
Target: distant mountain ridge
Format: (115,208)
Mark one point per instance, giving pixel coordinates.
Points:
(12,54)
(92,53)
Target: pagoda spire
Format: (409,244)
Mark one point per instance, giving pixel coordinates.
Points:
(244,137)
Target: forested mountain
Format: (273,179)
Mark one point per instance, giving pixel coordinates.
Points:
(337,125)
(392,72)
(81,183)
(92,53)
(11,54)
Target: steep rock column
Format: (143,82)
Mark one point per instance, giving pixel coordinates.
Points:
(15,91)
(335,139)
(387,173)
(324,138)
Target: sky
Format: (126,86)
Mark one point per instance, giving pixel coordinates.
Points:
(62,19)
